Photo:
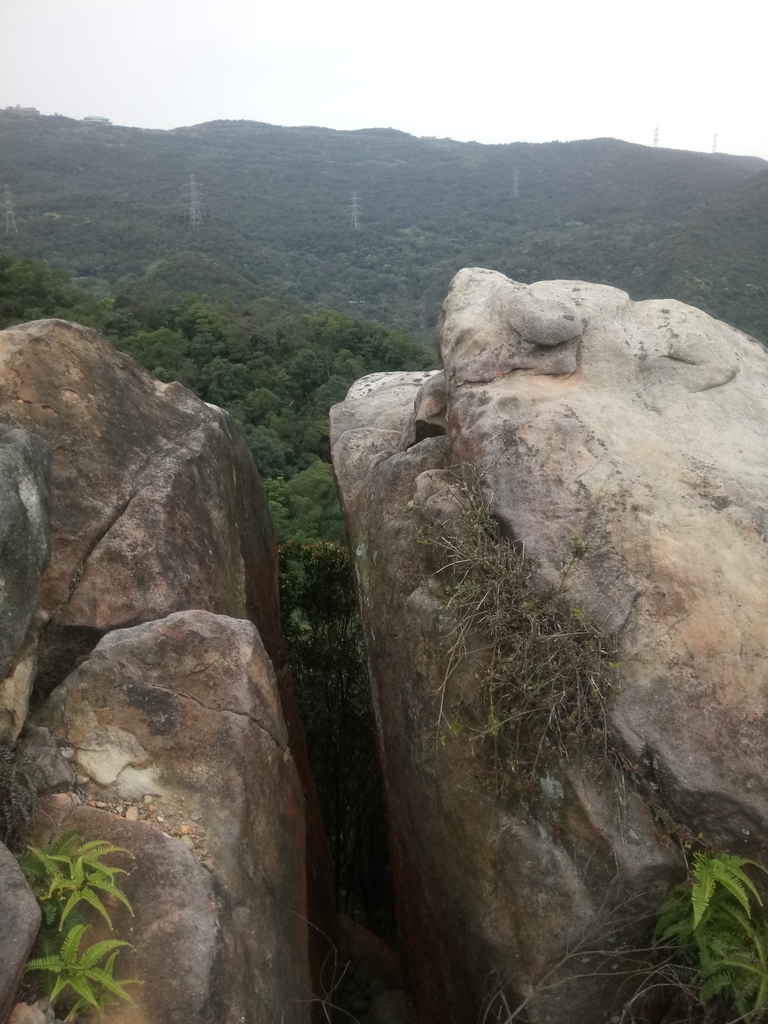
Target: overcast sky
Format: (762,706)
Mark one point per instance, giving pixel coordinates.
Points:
(487,70)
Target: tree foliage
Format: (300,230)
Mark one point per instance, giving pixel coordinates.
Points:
(33,291)
(325,646)
(105,203)
(275,368)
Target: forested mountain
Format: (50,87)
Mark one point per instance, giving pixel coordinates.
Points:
(719,262)
(108,204)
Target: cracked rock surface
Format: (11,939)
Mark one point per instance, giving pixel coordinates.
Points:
(157,508)
(178,721)
(642,427)
(156,504)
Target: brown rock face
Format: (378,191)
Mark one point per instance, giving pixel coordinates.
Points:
(185,711)
(156,502)
(643,428)
(157,508)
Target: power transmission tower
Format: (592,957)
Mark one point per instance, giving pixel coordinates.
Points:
(10,220)
(514,184)
(714,143)
(195,202)
(355,211)
(656,137)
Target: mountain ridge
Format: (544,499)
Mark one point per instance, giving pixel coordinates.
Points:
(107,204)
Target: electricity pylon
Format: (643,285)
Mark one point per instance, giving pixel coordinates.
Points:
(656,137)
(10,220)
(714,143)
(355,210)
(514,184)
(195,203)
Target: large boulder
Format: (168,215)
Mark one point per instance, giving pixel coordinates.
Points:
(175,726)
(157,508)
(24,553)
(20,917)
(643,428)
(156,503)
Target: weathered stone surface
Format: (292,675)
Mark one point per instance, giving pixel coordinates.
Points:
(491,325)
(44,764)
(20,920)
(157,507)
(16,688)
(24,554)
(643,427)
(384,398)
(185,712)
(429,411)
(39,1012)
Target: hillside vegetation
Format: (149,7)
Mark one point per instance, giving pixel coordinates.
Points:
(107,204)
(720,261)
(276,369)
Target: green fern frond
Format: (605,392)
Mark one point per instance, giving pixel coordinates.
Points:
(98,848)
(31,864)
(95,952)
(717,983)
(106,885)
(81,985)
(48,863)
(59,883)
(726,870)
(701,895)
(71,943)
(50,911)
(109,967)
(92,854)
(731,919)
(66,842)
(45,963)
(78,872)
(109,983)
(89,896)
(744,965)
(674,919)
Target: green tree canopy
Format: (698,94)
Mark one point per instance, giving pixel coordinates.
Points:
(275,369)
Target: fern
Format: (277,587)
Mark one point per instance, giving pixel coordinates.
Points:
(73,871)
(710,922)
(726,870)
(94,985)
(65,874)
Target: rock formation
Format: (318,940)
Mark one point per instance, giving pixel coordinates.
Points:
(185,710)
(156,505)
(20,916)
(642,428)
(24,553)
(158,621)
